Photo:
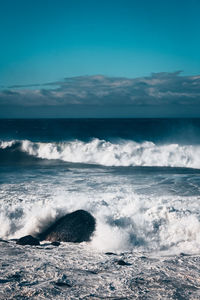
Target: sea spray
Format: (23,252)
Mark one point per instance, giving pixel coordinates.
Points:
(125,221)
(101,152)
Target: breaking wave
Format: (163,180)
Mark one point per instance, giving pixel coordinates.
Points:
(101,152)
(125,220)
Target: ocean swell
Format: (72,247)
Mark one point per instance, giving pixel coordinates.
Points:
(101,152)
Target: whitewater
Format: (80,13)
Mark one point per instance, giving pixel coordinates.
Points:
(101,152)
(140,179)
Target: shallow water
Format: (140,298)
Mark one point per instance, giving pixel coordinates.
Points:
(73,271)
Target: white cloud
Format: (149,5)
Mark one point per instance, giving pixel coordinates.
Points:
(163,89)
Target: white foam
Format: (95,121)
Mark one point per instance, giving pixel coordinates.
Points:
(123,153)
(6,144)
(125,220)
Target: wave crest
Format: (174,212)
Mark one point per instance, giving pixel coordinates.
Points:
(101,152)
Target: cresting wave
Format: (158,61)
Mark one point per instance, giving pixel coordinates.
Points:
(101,152)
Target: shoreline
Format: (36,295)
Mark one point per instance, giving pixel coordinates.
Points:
(77,271)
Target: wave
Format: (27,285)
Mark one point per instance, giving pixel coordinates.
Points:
(101,152)
(125,220)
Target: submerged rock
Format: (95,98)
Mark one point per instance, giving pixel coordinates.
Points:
(55,244)
(28,240)
(110,253)
(64,282)
(122,263)
(76,227)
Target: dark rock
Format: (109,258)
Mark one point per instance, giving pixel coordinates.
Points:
(122,263)
(63,284)
(28,240)
(4,280)
(15,277)
(138,280)
(92,271)
(110,253)
(184,254)
(55,244)
(75,227)
(3,241)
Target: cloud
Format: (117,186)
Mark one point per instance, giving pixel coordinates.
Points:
(158,90)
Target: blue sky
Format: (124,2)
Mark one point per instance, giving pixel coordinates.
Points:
(48,40)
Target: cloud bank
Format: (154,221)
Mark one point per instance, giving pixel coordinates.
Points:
(161,94)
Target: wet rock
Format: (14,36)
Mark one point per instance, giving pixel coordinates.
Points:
(143,257)
(92,271)
(138,280)
(15,277)
(75,227)
(28,240)
(184,254)
(122,263)
(55,244)
(110,253)
(63,284)
(3,241)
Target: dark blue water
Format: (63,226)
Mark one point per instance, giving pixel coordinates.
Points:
(182,131)
(104,142)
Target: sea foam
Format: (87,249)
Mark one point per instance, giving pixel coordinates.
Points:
(105,153)
(125,220)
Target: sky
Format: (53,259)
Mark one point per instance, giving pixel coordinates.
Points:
(82,58)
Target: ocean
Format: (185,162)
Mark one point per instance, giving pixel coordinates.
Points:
(139,178)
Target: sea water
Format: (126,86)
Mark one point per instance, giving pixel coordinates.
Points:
(139,178)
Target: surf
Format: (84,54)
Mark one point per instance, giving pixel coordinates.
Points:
(105,153)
